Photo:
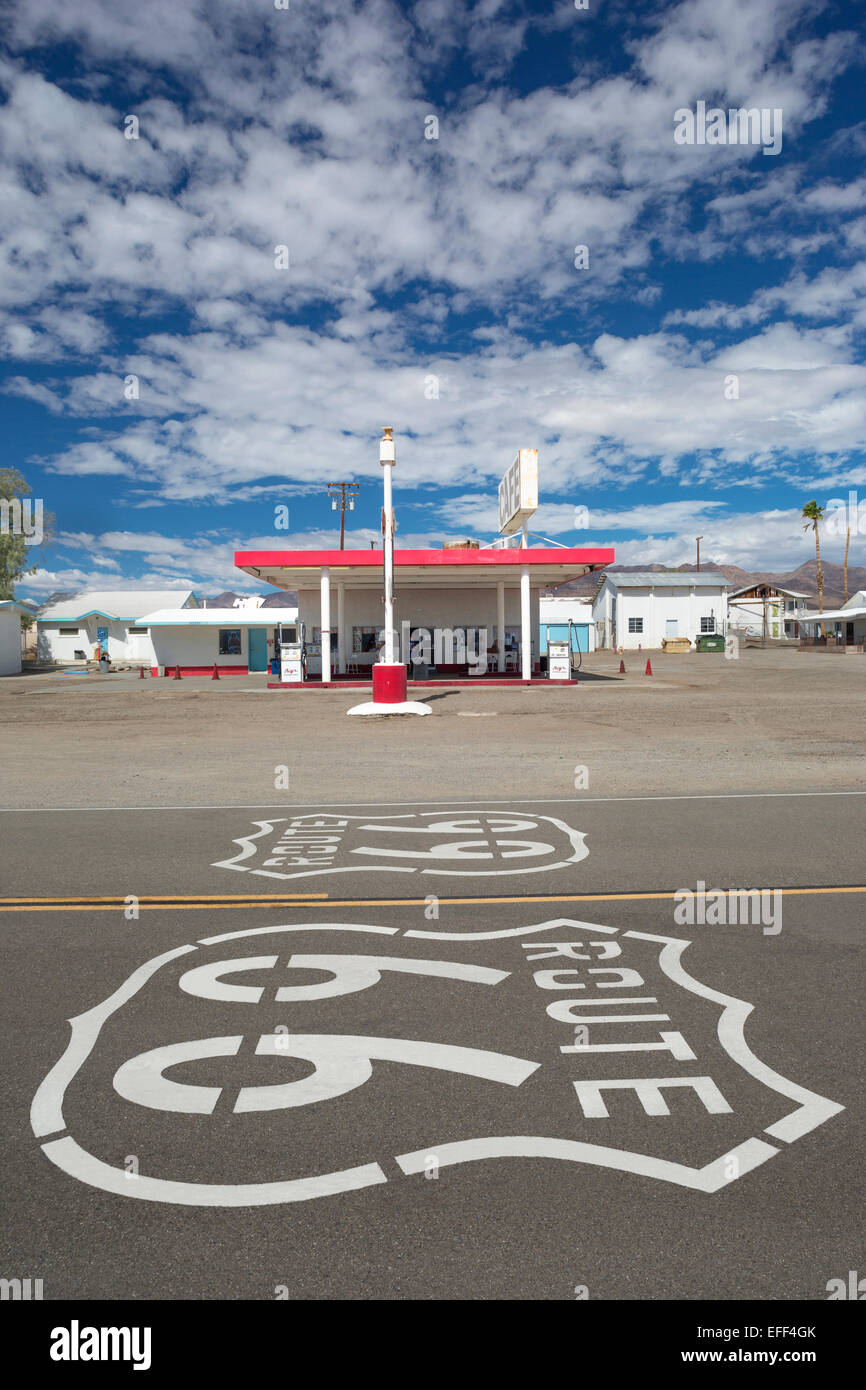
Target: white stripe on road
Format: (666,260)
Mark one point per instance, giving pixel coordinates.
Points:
(450,801)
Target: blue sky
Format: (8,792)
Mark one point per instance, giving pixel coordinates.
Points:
(702,374)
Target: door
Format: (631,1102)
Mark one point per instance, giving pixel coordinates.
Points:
(258,649)
(671,625)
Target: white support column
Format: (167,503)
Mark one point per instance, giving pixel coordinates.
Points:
(500,626)
(341,628)
(525,626)
(325,619)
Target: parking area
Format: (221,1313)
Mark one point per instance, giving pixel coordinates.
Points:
(770,720)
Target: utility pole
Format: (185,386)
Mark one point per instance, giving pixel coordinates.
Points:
(698,540)
(342,494)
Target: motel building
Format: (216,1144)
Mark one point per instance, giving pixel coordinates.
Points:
(73,631)
(457,593)
(232,640)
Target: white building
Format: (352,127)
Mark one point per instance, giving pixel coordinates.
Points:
(11,614)
(645,608)
(785,610)
(235,640)
(69,632)
(846,624)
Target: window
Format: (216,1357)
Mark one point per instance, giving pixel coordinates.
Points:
(136,631)
(364,639)
(315,648)
(708,624)
(230,641)
(635,624)
(68,631)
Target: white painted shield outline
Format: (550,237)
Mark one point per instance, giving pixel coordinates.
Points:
(46,1113)
(248,847)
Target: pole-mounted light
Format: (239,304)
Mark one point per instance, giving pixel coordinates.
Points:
(388,459)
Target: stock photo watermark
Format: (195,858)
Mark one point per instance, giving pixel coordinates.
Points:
(736,126)
(744,907)
(23,516)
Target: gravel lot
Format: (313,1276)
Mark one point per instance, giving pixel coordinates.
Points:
(772,720)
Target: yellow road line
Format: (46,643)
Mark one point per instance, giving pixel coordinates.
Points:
(215,902)
(174,898)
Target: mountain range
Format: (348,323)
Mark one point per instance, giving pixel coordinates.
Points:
(803,580)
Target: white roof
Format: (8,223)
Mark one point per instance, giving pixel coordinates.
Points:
(219,617)
(116,603)
(666,579)
(838,614)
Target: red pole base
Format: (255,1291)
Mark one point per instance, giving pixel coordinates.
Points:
(389,683)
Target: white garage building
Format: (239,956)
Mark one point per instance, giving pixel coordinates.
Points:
(11,614)
(70,631)
(644,608)
(235,640)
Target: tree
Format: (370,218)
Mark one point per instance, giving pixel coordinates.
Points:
(812,515)
(16,547)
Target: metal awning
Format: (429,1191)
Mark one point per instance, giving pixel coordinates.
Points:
(482,568)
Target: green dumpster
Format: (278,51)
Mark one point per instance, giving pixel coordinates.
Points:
(710,642)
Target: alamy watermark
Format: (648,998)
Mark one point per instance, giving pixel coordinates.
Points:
(841,516)
(739,125)
(745,907)
(22,517)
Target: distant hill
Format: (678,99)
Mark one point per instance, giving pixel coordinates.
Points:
(288,599)
(58,596)
(803,579)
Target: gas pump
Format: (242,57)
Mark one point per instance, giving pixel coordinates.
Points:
(558,660)
(560,656)
(293,652)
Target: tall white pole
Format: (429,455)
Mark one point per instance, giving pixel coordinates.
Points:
(341,629)
(387,459)
(325,618)
(500,626)
(525,626)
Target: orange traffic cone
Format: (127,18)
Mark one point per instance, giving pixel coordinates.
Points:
(216,674)
(622,668)
(649,669)
(176,673)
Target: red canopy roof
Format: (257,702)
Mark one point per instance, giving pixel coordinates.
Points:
(293,569)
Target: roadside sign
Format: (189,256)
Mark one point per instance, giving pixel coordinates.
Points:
(518,492)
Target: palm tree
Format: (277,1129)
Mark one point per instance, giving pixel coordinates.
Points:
(812,515)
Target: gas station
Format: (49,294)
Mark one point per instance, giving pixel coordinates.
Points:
(367,615)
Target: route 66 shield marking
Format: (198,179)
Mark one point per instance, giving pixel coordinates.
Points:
(565,1041)
(462,844)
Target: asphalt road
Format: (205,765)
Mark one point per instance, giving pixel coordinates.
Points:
(256,1107)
